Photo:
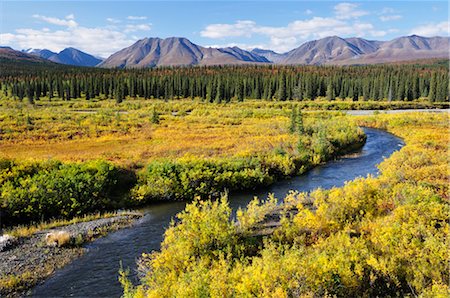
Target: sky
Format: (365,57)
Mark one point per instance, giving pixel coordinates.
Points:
(104,27)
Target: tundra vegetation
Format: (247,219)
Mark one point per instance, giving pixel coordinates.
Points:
(77,141)
(384,236)
(61,160)
(141,151)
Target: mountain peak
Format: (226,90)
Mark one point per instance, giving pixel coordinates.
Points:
(172,51)
(269,55)
(9,53)
(73,56)
(70,49)
(337,50)
(70,56)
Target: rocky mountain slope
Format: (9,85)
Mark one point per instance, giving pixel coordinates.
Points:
(174,51)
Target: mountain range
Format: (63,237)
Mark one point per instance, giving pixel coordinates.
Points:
(149,52)
(333,50)
(10,54)
(69,56)
(344,51)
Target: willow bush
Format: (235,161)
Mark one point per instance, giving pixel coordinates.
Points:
(384,236)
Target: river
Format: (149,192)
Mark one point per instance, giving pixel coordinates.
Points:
(95,274)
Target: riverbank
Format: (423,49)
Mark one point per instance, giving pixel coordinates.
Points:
(375,236)
(26,261)
(399,111)
(279,144)
(125,247)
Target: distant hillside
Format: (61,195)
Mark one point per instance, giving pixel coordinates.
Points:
(243,55)
(76,57)
(269,55)
(330,50)
(41,53)
(173,51)
(406,48)
(333,50)
(10,54)
(69,56)
(337,50)
(149,52)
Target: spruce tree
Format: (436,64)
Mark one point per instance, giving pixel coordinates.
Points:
(282,88)
(293,123)
(239,93)
(330,91)
(219,92)
(209,88)
(118,94)
(432,92)
(299,121)
(355,94)
(155,116)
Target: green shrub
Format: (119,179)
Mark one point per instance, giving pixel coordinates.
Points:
(38,191)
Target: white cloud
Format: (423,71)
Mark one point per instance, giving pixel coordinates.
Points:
(113,20)
(432,29)
(290,36)
(101,41)
(136,18)
(378,33)
(348,11)
(238,29)
(308,11)
(138,27)
(390,17)
(69,21)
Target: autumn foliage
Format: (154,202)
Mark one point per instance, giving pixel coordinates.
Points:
(384,236)
(61,160)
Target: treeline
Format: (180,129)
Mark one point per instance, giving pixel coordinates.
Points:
(226,83)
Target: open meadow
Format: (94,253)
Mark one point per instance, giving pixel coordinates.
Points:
(126,155)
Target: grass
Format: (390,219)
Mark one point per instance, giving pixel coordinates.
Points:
(59,132)
(78,130)
(17,282)
(195,149)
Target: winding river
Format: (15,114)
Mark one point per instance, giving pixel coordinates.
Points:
(95,273)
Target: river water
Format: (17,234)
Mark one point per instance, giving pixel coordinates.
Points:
(95,274)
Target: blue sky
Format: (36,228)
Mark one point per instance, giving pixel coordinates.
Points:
(103,27)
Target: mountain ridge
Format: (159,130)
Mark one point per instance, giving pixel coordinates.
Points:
(325,51)
(68,56)
(332,50)
(176,51)
(11,54)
